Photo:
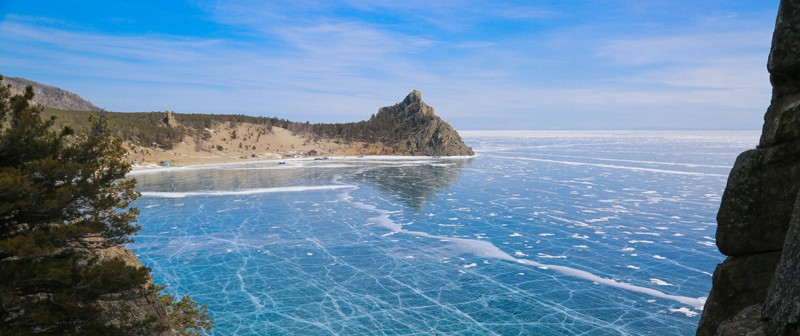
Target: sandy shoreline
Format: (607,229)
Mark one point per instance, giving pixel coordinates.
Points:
(243,143)
(247,144)
(154,168)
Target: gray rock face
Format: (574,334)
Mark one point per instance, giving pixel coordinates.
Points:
(758,200)
(136,308)
(756,291)
(169,120)
(783,300)
(51,96)
(782,120)
(136,311)
(427,134)
(739,282)
(746,323)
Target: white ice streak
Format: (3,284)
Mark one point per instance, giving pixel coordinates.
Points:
(158,170)
(601,219)
(689,165)
(485,249)
(547,256)
(253,191)
(283,167)
(659,282)
(686,311)
(572,163)
(707,243)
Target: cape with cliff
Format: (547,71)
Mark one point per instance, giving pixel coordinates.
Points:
(410,127)
(64,199)
(756,290)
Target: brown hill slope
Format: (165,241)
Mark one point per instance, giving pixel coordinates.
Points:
(409,127)
(50,96)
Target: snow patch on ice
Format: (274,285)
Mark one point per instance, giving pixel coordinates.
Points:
(684,310)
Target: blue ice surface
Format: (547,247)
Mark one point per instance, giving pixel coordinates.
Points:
(542,233)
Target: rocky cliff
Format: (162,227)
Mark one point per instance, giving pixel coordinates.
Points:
(756,290)
(138,309)
(50,96)
(47,308)
(424,133)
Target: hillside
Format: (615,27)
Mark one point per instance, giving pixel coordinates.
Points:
(409,127)
(50,96)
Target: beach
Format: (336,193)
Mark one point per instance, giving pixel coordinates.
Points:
(244,143)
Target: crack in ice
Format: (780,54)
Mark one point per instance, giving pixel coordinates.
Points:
(602,165)
(488,250)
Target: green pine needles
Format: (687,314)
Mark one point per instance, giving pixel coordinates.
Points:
(64,209)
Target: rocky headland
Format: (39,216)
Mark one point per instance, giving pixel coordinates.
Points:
(410,127)
(425,133)
(756,290)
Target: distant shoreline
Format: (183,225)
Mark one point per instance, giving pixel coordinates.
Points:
(154,168)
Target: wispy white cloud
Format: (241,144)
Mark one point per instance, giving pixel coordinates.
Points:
(518,12)
(197,75)
(684,48)
(300,61)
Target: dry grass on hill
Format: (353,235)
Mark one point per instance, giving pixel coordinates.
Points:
(247,144)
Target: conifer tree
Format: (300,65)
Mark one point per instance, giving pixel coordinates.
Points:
(62,198)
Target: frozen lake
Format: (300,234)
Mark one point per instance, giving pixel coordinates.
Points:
(542,233)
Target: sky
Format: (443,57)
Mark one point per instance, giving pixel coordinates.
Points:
(495,65)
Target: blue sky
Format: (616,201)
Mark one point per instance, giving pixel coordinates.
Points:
(604,64)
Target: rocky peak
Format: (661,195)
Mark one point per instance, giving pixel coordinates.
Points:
(415,97)
(411,105)
(425,133)
(169,120)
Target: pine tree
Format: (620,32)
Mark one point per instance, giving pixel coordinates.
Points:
(186,316)
(62,198)
(60,194)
